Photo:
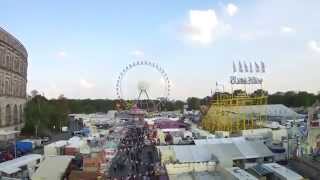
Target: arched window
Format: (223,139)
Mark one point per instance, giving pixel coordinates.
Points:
(20,67)
(2,55)
(7,61)
(15,115)
(16,65)
(11,86)
(11,63)
(8,115)
(21,114)
(6,87)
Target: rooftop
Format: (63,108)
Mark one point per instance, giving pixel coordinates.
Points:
(52,168)
(269,110)
(240,174)
(14,165)
(224,150)
(197,176)
(6,133)
(282,172)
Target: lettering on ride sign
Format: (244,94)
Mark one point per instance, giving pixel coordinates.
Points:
(245,80)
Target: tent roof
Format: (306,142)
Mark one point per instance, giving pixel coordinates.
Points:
(281,171)
(52,168)
(269,110)
(240,174)
(192,153)
(13,165)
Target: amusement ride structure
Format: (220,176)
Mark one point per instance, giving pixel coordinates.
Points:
(228,112)
(234,112)
(144,87)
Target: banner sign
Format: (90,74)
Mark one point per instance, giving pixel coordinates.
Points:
(245,80)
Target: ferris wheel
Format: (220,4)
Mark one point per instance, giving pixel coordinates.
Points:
(142,86)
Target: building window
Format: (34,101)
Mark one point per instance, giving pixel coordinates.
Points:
(21,114)
(8,115)
(7,61)
(11,63)
(6,87)
(15,115)
(2,61)
(20,67)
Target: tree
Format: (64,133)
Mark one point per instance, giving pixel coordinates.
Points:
(36,114)
(259,92)
(61,97)
(205,101)
(179,105)
(293,99)
(193,103)
(239,92)
(34,93)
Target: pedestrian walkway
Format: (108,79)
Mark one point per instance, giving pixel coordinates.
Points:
(135,159)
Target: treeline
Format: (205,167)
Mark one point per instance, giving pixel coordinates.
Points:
(289,98)
(44,116)
(293,98)
(47,115)
(104,105)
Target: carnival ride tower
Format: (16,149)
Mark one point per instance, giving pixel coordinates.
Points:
(237,111)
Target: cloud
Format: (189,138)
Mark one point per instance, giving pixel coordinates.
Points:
(231,9)
(137,53)
(287,29)
(61,54)
(52,90)
(314,46)
(254,35)
(86,84)
(203,26)
(248,36)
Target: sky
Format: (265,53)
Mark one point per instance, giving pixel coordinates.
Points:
(78,48)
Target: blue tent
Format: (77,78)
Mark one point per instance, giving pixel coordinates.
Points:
(24,147)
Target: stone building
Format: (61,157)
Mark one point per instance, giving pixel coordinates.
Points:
(13,81)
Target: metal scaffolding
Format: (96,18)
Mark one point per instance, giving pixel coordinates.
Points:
(226,114)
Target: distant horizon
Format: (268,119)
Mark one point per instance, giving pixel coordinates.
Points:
(88,98)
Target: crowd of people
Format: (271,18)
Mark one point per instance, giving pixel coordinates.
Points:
(135,159)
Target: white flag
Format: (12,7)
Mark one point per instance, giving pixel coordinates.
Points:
(257,67)
(234,67)
(263,70)
(240,67)
(245,66)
